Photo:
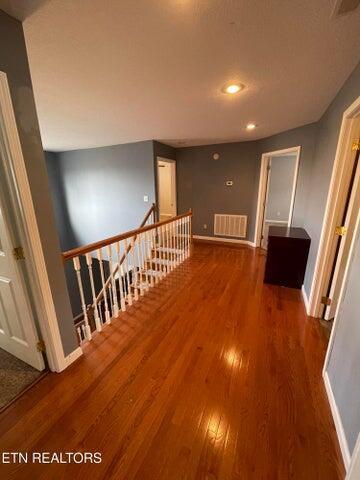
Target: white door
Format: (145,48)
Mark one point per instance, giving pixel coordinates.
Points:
(166,187)
(17,330)
(344,242)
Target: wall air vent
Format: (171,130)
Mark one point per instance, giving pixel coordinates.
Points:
(342,7)
(230,225)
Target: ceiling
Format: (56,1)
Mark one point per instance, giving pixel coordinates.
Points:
(108,71)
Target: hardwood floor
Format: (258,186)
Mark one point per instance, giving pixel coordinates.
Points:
(213,375)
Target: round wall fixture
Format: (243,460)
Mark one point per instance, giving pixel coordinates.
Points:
(216,156)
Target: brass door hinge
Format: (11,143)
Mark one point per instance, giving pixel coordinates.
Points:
(18,253)
(40,346)
(326,300)
(340,230)
(356,145)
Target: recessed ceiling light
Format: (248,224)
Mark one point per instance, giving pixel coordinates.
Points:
(232,88)
(251,126)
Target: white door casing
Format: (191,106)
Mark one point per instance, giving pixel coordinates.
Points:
(18,334)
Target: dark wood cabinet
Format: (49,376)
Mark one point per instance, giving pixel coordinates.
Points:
(288,250)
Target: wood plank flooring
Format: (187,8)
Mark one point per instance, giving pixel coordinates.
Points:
(212,375)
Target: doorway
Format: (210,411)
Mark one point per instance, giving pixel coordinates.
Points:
(342,206)
(277,187)
(166,183)
(344,232)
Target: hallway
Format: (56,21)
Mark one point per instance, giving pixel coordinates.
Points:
(212,375)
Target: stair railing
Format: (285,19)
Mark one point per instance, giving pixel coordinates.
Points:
(120,269)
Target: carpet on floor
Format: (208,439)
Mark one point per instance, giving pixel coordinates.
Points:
(15,376)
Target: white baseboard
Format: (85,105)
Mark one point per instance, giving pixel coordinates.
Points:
(69,359)
(305,300)
(338,423)
(225,240)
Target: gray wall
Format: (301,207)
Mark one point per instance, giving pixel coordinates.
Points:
(344,364)
(280,187)
(201,183)
(98,192)
(13,61)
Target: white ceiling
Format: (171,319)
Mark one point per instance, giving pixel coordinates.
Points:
(109,71)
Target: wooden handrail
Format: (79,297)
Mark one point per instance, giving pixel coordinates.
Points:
(75,252)
(152,210)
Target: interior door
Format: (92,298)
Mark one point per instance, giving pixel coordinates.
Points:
(18,335)
(352,205)
(167,188)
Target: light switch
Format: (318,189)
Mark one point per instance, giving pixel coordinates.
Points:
(146,198)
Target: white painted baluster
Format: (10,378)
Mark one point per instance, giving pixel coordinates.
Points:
(78,331)
(154,234)
(95,306)
(141,258)
(167,254)
(139,281)
(126,266)
(113,283)
(77,268)
(172,245)
(134,272)
(144,259)
(148,259)
(100,258)
(120,277)
(187,237)
(177,242)
(162,253)
(183,237)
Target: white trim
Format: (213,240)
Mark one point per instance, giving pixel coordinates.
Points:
(267,220)
(72,357)
(337,421)
(305,299)
(332,212)
(354,467)
(41,287)
(265,157)
(226,240)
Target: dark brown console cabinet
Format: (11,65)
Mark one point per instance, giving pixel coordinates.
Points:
(288,250)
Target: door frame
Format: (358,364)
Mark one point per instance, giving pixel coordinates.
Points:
(334,203)
(262,191)
(173,180)
(23,207)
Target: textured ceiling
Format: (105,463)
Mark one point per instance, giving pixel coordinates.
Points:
(107,71)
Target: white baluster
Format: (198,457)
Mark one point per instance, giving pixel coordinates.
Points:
(148,258)
(100,258)
(144,260)
(167,254)
(134,272)
(172,245)
(120,276)
(78,331)
(155,238)
(77,267)
(139,281)
(126,265)
(183,238)
(95,306)
(187,237)
(112,282)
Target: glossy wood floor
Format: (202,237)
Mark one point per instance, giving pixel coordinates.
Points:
(212,376)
